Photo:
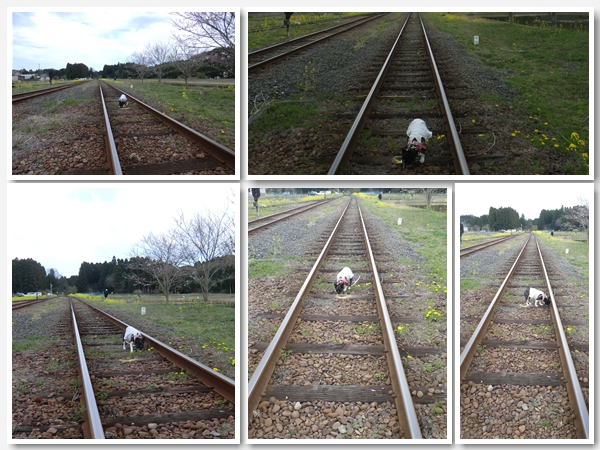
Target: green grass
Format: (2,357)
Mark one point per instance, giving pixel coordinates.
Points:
(579,251)
(31,343)
(425,228)
(258,268)
(467,284)
(548,68)
(282,116)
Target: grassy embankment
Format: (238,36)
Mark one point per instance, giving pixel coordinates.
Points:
(549,69)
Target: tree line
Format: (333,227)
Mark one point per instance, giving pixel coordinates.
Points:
(196,255)
(205,48)
(562,219)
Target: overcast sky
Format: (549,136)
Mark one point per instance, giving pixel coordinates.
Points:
(526,198)
(62,225)
(94,37)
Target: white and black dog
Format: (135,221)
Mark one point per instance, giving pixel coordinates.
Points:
(133,337)
(343,280)
(540,299)
(417,133)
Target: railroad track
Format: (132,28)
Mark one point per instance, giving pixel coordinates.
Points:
(407,85)
(259,59)
(25,303)
(107,140)
(157,393)
(517,374)
(23,96)
(263,222)
(134,133)
(478,247)
(304,371)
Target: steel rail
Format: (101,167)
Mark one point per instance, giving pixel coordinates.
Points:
(92,427)
(345,152)
(576,398)
(264,370)
(112,155)
(25,303)
(460,162)
(402,395)
(471,347)
(221,384)
(286,214)
(218,151)
(266,62)
(478,247)
(17,98)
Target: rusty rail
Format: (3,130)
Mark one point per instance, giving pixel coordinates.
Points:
(458,156)
(347,148)
(21,97)
(402,395)
(111,149)
(266,62)
(478,247)
(92,427)
(282,216)
(571,380)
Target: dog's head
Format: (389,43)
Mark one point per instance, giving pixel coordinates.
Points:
(409,155)
(340,286)
(138,342)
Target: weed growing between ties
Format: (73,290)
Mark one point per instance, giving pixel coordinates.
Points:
(548,68)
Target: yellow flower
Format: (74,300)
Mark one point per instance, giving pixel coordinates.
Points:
(574,136)
(409,357)
(584,156)
(215,369)
(513,135)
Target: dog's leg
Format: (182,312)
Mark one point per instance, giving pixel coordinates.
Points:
(131,346)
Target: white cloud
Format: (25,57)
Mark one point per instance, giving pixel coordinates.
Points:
(93,37)
(61,225)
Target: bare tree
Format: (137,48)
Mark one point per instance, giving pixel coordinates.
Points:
(158,55)
(140,62)
(160,257)
(186,60)
(205,30)
(579,215)
(208,243)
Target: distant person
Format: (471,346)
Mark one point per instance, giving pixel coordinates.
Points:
(552,233)
(286,22)
(380,196)
(105,294)
(462,230)
(122,101)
